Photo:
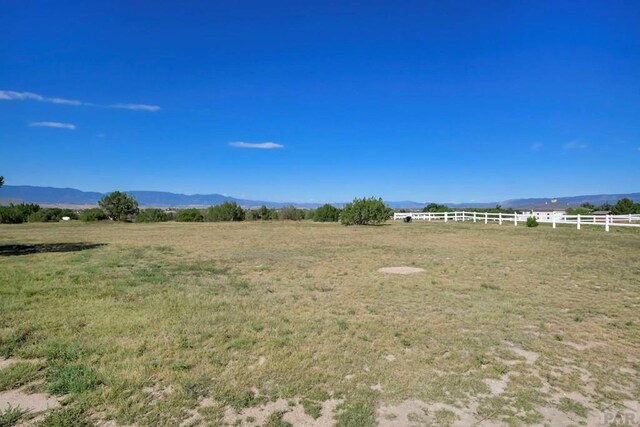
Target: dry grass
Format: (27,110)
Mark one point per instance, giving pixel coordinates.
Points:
(175,321)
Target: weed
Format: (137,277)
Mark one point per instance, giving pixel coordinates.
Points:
(11,415)
(71,416)
(18,374)
(10,344)
(275,420)
(569,405)
(357,413)
(312,409)
(71,378)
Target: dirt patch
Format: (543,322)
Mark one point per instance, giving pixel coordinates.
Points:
(293,413)
(417,412)
(529,356)
(400,270)
(36,402)
(4,363)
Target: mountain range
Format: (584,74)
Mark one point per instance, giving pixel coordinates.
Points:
(50,196)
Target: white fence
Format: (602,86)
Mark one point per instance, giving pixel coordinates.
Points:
(553,218)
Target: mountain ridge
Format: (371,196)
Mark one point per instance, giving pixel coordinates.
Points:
(73,196)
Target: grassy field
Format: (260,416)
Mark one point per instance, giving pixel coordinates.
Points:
(269,323)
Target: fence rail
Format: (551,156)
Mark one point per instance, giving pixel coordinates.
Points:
(554,218)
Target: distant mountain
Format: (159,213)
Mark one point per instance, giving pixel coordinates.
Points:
(72,196)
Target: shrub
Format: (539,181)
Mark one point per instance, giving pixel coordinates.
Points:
(119,206)
(532,221)
(152,215)
(93,214)
(228,211)
(189,215)
(51,215)
(327,213)
(365,212)
(291,213)
(17,214)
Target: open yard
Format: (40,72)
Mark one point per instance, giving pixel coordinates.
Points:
(268,323)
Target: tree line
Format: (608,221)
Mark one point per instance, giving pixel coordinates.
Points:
(119,206)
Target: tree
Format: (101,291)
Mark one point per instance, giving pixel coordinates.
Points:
(228,211)
(624,206)
(119,206)
(365,212)
(327,213)
(434,207)
(291,213)
(1,180)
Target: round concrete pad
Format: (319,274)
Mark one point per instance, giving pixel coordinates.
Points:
(401,270)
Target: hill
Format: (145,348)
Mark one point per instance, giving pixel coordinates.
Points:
(75,197)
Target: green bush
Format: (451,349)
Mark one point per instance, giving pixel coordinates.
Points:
(291,213)
(228,211)
(189,215)
(532,221)
(326,213)
(17,214)
(119,206)
(365,212)
(93,214)
(51,215)
(152,215)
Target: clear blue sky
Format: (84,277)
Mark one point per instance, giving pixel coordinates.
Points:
(445,101)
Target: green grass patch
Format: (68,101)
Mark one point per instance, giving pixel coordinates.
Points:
(71,378)
(18,374)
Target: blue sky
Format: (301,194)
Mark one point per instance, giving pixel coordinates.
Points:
(439,101)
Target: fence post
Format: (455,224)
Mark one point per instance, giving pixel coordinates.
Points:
(500,218)
(486,218)
(515,219)
(429,216)
(629,218)
(553,219)
(474,216)
(445,217)
(606,223)
(578,222)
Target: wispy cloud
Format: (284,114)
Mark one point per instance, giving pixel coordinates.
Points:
(536,146)
(10,95)
(575,145)
(259,145)
(53,125)
(143,107)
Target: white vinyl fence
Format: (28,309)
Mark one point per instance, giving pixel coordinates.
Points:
(554,218)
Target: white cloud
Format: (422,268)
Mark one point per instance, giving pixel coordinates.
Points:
(575,145)
(10,95)
(143,107)
(53,125)
(260,145)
